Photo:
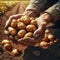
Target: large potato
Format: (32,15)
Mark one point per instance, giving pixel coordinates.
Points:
(21,33)
(14,23)
(30,28)
(21,25)
(12,31)
(29,34)
(25,19)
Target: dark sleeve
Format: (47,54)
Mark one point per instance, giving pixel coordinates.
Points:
(54,11)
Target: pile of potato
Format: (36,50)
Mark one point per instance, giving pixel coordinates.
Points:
(22,27)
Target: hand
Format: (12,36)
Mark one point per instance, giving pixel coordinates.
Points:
(10,19)
(42,22)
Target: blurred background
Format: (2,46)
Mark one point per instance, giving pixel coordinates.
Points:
(6,4)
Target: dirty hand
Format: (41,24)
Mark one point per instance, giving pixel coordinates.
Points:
(42,22)
(29,13)
(10,19)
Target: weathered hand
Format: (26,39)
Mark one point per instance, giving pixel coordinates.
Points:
(10,19)
(42,22)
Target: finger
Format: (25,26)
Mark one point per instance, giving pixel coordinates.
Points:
(8,22)
(39,32)
(29,41)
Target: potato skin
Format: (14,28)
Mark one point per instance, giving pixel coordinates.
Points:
(33,22)
(15,52)
(6,41)
(21,25)
(30,28)
(29,34)
(12,31)
(25,19)
(43,44)
(7,46)
(51,37)
(14,23)
(21,33)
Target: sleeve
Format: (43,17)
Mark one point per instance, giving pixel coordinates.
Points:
(37,5)
(54,11)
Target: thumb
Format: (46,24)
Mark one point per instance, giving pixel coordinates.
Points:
(39,32)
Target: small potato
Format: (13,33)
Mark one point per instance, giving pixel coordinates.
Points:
(6,32)
(18,20)
(15,52)
(43,44)
(6,41)
(14,23)
(7,46)
(21,25)
(21,33)
(12,31)
(33,22)
(29,34)
(31,18)
(25,19)
(30,28)
(47,31)
(51,37)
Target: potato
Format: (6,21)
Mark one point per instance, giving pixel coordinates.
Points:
(15,52)
(30,28)
(6,41)
(7,46)
(12,31)
(31,18)
(33,22)
(6,32)
(47,31)
(25,19)
(14,23)
(29,34)
(51,37)
(21,25)
(21,33)
(43,44)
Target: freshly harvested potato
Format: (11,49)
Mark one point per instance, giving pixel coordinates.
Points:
(14,23)
(7,46)
(29,34)
(33,22)
(25,19)
(12,31)
(47,31)
(51,37)
(31,18)
(21,33)
(6,41)
(21,25)
(15,52)
(6,32)
(30,28)
(43,44)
